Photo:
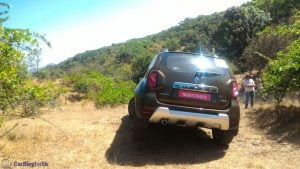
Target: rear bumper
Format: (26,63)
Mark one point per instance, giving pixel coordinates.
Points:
(220,120)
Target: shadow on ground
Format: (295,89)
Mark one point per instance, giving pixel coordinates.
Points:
(136,144)
(281,123)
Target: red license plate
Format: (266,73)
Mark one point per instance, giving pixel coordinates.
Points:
(193,95)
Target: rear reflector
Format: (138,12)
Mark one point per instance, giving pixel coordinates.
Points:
(152,80)
(146,113)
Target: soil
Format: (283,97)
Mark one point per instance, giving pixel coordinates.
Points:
(78,135)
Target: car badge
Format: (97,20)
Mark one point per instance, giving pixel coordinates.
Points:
(196,79)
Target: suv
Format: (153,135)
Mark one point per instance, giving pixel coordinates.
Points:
(189,89)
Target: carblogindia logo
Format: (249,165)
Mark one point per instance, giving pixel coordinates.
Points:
(6,164)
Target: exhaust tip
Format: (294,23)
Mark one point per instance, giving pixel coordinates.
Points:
(164,122)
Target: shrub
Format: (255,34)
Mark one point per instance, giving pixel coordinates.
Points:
(233,67)
(34,96)
(268,43)
(82,86)
(115,92)
(282,75)
(101,89)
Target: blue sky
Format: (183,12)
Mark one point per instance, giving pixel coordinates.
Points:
(74,26)
(41,15)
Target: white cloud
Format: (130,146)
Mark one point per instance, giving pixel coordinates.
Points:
(150,17)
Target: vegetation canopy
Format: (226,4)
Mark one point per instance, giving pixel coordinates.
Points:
(18,94)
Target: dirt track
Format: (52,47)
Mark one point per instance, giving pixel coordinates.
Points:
(86,137)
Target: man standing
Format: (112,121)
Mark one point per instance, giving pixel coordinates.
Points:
(249,85)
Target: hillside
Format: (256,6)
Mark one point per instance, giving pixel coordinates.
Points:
(248,37)
(188,35)
(204,33)
(232,34)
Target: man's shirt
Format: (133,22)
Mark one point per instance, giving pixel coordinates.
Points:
(247,82)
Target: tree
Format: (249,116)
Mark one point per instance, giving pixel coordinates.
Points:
(172,44)
(280,10)
(282,75)
(140,66)
(268,43)
(238,27)
(15,46)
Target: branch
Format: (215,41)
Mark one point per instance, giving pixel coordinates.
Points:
(5,133)
(47,121)
(263,56)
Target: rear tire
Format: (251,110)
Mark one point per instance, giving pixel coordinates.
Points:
(223,137)
(131,108)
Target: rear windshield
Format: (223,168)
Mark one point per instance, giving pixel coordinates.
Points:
(188,63)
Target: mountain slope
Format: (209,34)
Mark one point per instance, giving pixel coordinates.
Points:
(227,33)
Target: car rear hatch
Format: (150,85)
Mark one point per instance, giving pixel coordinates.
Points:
(193,80)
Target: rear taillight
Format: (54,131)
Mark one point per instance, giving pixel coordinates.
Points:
(234,88)
(152,80)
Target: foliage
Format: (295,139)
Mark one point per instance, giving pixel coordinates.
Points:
(238,27)
(16,93)
(115,92)
(268,43)
(35,96)
(234,68)
(129,60)
(101,89)
(139,67)
(282,75)
(13,69)
(280,10)
(233,34)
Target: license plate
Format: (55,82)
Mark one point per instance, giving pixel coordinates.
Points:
(193,95)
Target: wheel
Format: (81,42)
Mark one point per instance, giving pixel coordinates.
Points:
(152,126)
(223,137)
(131,108)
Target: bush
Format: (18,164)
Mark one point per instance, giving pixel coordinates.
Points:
(115,92)
(18,94)
(34,96)
(234,68)
(99,88)
(82,86)
(140,66)
(282,75)
(268,43)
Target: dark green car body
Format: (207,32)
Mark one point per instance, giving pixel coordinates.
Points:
(189,89)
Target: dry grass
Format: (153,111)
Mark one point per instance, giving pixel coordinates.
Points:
(81,136)
(281,123)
